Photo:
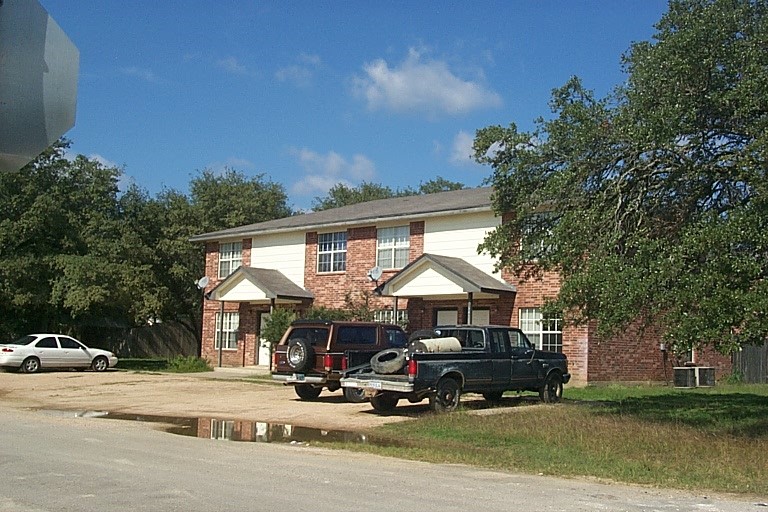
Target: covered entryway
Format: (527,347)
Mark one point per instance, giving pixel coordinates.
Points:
(451,288)
(257,291)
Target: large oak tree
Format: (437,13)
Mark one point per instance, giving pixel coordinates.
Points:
(651,202)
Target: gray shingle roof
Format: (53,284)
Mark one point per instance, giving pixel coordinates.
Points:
(365,213)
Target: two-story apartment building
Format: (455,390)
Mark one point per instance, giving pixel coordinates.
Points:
(417,259)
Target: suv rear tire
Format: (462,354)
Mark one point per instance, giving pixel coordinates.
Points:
(307,391)
(300,355)
(354,395)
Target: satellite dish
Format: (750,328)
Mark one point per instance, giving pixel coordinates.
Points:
(375,273)
(202,282)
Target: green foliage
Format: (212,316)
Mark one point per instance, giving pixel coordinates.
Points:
(651,203)
(188,364)
(344,195)
(275,327)
(75,252)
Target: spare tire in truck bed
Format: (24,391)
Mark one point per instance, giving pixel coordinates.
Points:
(388,361)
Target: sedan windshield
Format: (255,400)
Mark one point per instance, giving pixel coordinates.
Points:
(25,340)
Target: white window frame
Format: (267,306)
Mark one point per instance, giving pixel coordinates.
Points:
(391,243)
(544,333)
(229,332)
(335,247)
(230,257)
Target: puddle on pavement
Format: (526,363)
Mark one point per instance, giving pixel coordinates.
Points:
(236,430)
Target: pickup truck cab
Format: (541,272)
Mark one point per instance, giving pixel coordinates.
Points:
(312,354)
(482,359)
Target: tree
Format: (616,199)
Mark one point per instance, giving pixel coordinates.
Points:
(344,195)
(651,202)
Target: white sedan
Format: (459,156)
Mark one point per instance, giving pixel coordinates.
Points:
(34,352)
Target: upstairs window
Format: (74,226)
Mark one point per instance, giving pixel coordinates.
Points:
(393,247)
(332,252)
(230,258)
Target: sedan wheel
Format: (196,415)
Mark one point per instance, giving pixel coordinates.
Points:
(100,364)
(30,365)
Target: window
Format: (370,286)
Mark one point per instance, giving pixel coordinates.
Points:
(229,331)
(544,333)
(386,316)
(354,335)
(222,430)
(48,342)
(332,252)
(393,247)
(537,235)
(68,342)
(230,257)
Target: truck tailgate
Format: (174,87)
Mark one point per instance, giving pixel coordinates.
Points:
(371,382)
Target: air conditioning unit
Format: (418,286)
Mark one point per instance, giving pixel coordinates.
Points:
(705,376)
(685,376)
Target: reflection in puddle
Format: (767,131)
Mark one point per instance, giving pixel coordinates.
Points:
(237,430)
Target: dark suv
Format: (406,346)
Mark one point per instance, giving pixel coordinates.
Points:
(313,353)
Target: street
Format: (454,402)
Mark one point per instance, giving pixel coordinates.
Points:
(53,461)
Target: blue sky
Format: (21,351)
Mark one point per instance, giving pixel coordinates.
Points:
(313,93)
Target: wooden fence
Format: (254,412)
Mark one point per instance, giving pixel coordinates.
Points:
(752,363)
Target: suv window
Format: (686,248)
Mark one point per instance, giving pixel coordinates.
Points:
(313,335)
(395,337)
(356,335)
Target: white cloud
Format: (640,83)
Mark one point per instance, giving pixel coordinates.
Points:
(461,149)
(422,85)
(301,74)
(144,74)
(323,171)
(103,161)
(232,65)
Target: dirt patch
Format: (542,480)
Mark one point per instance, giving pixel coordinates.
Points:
(190,396)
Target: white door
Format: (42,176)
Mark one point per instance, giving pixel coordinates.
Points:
(263,353)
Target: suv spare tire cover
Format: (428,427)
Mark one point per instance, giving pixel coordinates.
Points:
(300,355)
(387,361)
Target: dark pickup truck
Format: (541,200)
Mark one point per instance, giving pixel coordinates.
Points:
(452,360)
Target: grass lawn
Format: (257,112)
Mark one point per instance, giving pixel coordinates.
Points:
(705,438)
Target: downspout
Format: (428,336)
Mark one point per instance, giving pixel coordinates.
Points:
(470,297)
(394,310)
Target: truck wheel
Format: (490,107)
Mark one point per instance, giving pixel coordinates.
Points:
(493,396)
(384,402)
(307,392)
(552,390)
(447,397)
(354,395)
(300,355)
(388,361)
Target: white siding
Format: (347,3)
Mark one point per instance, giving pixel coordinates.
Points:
(459,235)
(429,282)
(244,290)
(281,251)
